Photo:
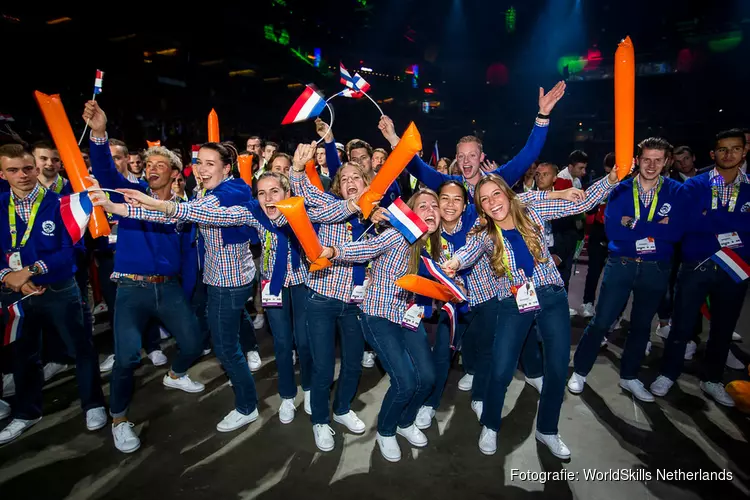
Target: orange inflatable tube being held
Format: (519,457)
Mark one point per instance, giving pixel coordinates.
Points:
(59,126)
(245,165)
(312,174)
(153,144)
(408,146)
(624,107)
(213,126)
(423,286)
(295,213)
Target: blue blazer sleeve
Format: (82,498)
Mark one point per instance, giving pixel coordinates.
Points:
(428,175)
(332,159)
(63,259)
(513,171)
(104,169)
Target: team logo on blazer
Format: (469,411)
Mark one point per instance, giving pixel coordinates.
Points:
(746,207)
(664,210)
(48,228)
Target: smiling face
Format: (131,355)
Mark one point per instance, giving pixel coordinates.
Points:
(427,208)
(442,166)
(494,201)
(281,165)
(159,172)
(452,203)
(362,157)
(270,191)
(211,170)
(351,182)
(48,162)
(469,156)
(651,163)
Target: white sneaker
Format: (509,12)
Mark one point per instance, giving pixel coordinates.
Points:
(733,362)
(648,348)
(206,352)
(663,331)
(157,358)
(323,436)
(587,310)
(555,444)
(52,369)
(9,385)
(572,312)
(424,417)
(96,418)
(125,439)
(388,447)
(718,393)
(258,322)
(100,308)
(635,387)
(368,359)
(286,411)
(308,405)
(413,435)
(234,420)
(660,387)
(736,337)
(576,383)
(163,334)
(254,361)
(466,382)
(351,421)
(107,364)
(183,383)
(4,409)
(488,441)
(478,407)
(15,428)
(690,349)
(537,383)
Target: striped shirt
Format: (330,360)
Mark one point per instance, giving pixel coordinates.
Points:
(336,281)
(545,273)
(647,196)
(23,209)
(723,189)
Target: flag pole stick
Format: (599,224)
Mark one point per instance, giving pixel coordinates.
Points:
(699,265)
(365,232)
(330,110)
(93,98)
(24,298)
(371,99)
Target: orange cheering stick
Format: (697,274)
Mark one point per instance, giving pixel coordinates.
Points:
(295,213)
(312,174)
(59,126)
(245,165)
(213,126)
(408,146)
(153,144)
(624,107)
(423,286)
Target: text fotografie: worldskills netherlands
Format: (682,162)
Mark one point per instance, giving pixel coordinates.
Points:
(620,475)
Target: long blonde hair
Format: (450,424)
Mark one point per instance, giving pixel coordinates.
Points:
(531,232)
(336,182)
(415,254)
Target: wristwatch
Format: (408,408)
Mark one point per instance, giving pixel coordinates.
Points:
(34,269)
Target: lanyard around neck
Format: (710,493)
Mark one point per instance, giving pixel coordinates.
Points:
(637,201)
(32,217)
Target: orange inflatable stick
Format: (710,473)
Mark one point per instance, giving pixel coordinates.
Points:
(408,146)
(426,287)
(59,126)
(213,126)
(295,213)
(624,106)
(312,174)
(739,390)
(245,163)
(153,144)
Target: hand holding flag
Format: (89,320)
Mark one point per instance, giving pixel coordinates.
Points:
(406,221)
(439,275)
(98,79)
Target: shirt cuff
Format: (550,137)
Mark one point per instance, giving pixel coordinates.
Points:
(99,141)
(42,266)
(5,272)
(541,122)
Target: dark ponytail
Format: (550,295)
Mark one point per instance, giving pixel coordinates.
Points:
(228,154)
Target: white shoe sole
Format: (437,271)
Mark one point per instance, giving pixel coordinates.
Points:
(710,396)
(132,450)
(489,453)
(339,420)
(254,369)
(166,382)
(422,427)
(417,445)
(558,455)
(636,395)
(576,392)
(159,364)
(390,459)
(232,429)
(92,429)
(285,422)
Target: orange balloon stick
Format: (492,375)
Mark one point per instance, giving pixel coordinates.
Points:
(59,126)
(624,106)
(153,144)
(312,174)
(213,126)
(295,213)
(245,163)
(426,287)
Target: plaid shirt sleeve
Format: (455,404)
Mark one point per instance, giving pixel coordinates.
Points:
(470,253)
(149,215)
(5,272)
(362,251)
(206,211)
(557,209)
(331,214)
(42,266)
(532,196)
(313,196)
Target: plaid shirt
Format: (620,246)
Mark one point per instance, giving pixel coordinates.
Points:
(23,209)
(336,281)
(725,190)
(647,196)
(545,273)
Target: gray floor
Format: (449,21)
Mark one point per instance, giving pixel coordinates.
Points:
(184,457)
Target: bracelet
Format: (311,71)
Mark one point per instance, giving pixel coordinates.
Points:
(542,116)
(170,208)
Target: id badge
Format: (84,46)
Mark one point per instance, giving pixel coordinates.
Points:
(526,298)
(413,317)
(267,299)
(729,240)
(645,246)
(14,261)
(112,238)
(358,292)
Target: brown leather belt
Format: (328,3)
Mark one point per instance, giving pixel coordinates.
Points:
(148,279)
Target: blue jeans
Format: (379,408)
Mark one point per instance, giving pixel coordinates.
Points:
(138,302)
(726,296)
(405,355)
(532,363)
(441,359)
(289,327)
(649,282)
(512,330)
(481,327)
(57,309)
(324,316)
(198,303)
(225,308)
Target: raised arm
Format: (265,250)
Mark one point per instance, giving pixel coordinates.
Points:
(301,185)
(366,250)
(469,254)
(557,209)
(333,213)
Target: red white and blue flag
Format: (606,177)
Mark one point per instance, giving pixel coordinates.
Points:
(6,118)
(443,278)
(309,105)
(406,221)
(435,158)
(450,310)
(356,83)
(354,94)
(196,148)
(732,263)
(98,81)
(75,210)
(13,323)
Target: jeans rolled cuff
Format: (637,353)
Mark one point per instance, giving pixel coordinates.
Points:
(119,414)
(552,433)
(246,412)
(176,373)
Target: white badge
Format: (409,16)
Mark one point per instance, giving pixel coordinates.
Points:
(645,245)
(14,261)
(267,299)
(526,298)
(413,317)
(729,240)
(358,292)
(112,238)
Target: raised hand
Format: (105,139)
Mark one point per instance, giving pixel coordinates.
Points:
(96,118)
(303,154)
(323,130)
(488,166)
(547,101)
(388,130)
(28,288)
(138,199)
(570,194)
(450,267)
